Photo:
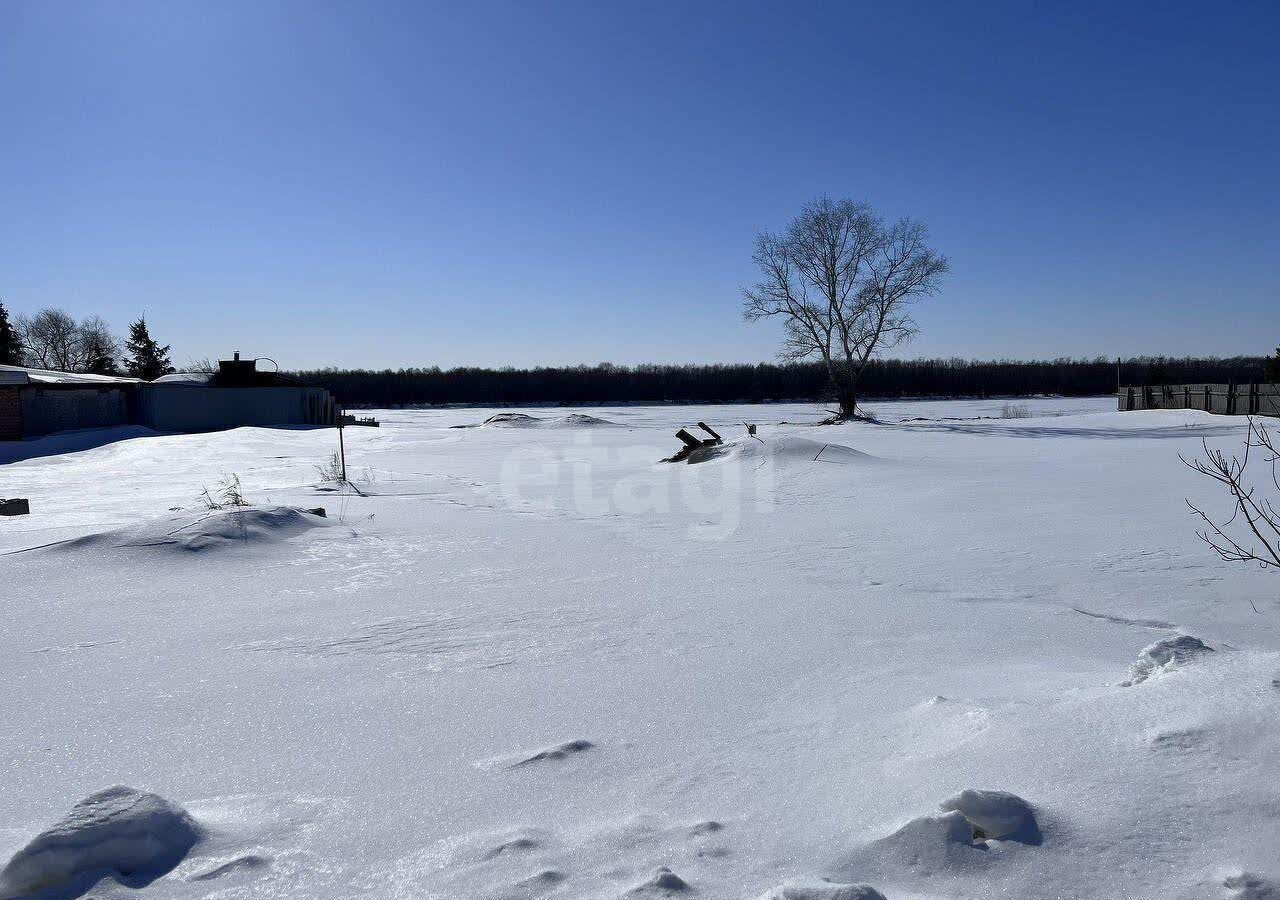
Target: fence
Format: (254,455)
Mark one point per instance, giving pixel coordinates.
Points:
(1224,399)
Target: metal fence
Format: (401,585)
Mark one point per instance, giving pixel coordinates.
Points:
(1225,399)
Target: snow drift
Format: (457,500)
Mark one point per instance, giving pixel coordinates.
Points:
(788,450)
(121,833)
(524,420)
(200,530)
(823,891)
(1165,655)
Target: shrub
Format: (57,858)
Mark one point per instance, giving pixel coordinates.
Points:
(228,494)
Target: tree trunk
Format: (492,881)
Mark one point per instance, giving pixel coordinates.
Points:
(848,402)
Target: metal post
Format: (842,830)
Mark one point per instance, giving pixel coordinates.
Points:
(342,451)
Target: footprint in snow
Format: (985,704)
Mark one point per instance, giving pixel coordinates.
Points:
(1183,739)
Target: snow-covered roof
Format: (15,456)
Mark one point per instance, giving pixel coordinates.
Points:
(196,378)
(11,375)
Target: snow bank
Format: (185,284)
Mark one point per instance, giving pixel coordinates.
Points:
(1164,655)
(122,833)
(197,530)
(65,442)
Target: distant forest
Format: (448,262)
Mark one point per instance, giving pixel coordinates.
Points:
(759,383)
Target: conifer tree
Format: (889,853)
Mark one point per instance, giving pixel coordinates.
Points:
(147,359)
(10,349)
(100,361)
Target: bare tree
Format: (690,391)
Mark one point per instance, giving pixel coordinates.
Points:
(843,281)
(1252,532)
(52,339)
(48,339)
(99,349)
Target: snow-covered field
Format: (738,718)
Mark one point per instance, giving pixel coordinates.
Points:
(529,660)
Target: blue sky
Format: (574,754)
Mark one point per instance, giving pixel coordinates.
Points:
(387,184)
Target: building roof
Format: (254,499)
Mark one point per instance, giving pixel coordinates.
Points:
(199,379)
(19,375)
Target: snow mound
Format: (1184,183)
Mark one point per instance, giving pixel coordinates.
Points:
(559,751)
(781,451)
(931,844)
(996,814)
(822,891)
(195,531)
(523,420)
(663,881)
(511,420)
(122,833)
(582,420)
(1165,655)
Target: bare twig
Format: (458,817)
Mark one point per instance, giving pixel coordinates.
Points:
(1252,532)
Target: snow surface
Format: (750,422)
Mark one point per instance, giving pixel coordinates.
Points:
(537,662)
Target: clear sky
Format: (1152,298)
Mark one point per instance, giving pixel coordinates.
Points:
(387,184)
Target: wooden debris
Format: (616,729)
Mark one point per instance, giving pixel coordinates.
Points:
(693,443)
(318,511)
(688,440)
(19,506)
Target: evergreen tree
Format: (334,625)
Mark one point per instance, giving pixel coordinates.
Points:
(1273,367)
(10,349)
(147,359)
(100,361)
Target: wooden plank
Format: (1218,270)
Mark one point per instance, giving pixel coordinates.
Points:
(689,440)
(707,428)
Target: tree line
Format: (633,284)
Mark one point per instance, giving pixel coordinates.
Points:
(52,339)
(766,382)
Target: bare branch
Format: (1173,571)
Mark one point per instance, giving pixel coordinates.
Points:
(1253,519)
